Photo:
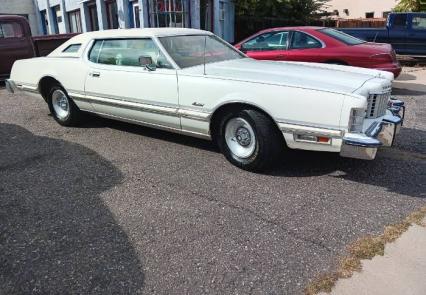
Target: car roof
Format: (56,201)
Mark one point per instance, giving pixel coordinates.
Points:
(85,38)
(133,33)
(302,28)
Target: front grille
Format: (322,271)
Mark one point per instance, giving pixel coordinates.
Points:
(377,105)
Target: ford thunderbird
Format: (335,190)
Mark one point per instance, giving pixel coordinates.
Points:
(192,82)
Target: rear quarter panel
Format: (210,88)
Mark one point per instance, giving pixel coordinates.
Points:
(70,72)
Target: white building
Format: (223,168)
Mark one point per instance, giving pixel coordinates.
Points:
(361,8)
(72,16)
(24,8)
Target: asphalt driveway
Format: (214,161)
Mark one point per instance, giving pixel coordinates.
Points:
(117,208)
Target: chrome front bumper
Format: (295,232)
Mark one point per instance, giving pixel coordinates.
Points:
(365,145)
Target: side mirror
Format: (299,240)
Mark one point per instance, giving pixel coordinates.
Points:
(243,48)
(146,61)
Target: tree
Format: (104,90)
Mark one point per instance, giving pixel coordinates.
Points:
(411,5)
(298,11)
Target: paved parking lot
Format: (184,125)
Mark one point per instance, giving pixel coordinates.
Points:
(116,208)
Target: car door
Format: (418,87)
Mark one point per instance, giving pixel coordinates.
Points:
(416,39)
(119,85)
(267,46)
(304,48)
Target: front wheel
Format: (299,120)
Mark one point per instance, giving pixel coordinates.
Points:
(249,139)
(63,109)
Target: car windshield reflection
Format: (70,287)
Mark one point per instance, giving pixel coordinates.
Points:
(193,50)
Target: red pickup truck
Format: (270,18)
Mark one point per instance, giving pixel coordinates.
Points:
(16,42)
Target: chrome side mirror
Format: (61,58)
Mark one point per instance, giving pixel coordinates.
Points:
(146,62)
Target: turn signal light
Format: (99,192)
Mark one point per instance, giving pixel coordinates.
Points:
(312,139)
(323,139)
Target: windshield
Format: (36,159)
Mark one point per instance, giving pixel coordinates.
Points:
(193,50)
(342,37)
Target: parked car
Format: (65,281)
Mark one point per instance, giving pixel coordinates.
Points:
(192,82)
(16,42)
(320,45)
(405,31)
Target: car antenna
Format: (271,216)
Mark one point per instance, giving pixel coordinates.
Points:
(204,58)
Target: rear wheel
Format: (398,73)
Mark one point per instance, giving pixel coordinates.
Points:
(249,139)
(63,109)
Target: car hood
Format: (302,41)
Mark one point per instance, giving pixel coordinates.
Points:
(332,78)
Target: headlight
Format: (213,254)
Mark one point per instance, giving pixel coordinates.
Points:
(356,120)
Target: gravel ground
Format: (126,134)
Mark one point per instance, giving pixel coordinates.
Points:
(116,208)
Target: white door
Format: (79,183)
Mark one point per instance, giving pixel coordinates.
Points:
(118,85)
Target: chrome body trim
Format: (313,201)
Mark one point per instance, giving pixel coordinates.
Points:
(13,86)
(144,107)
(309,130)
(151,125)
(27,88)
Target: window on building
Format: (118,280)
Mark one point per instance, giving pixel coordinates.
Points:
(11,30)
(346,11)
(386,14)
(127,52)
(400,21)
(301,40)
(112,14)
(419,22)
(136,14)
(44,22)
(206,15)
(73,48)
(369,14)
(75,21)
(56,11)
(167,13)
(268,41)
(93,16)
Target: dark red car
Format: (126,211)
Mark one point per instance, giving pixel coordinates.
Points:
(322,45)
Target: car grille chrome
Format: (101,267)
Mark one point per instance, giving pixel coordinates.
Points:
(377,105)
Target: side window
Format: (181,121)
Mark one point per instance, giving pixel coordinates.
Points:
(268,41)
(127,52)
(73,48)
(11,30)
(304,41)
(400,21)
(419,22)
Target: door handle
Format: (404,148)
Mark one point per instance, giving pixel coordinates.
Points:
(95,74)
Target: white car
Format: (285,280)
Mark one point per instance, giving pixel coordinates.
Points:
(192,82)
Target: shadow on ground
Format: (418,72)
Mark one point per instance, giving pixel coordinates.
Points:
(401,90)
(399,169)
(406,77)
(56,234)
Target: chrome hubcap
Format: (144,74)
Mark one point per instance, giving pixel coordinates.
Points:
(240,138)
(243,136)
(60,104)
